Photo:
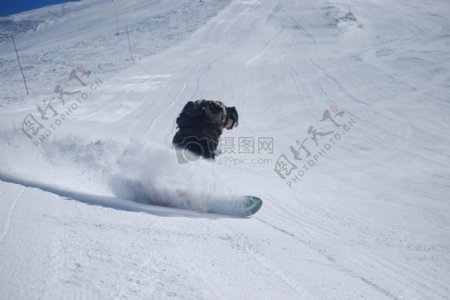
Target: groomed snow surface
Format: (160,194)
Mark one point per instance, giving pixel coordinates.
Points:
(344,133)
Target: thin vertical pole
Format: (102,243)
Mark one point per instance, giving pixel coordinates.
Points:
(117,17)
(129,44)
(21,70)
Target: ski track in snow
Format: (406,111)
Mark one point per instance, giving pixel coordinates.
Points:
(9,216)
(370,220)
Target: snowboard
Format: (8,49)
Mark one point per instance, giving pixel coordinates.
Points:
(242,206)
(236,206)
(252,204)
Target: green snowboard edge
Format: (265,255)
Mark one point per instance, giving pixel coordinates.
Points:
(252,205)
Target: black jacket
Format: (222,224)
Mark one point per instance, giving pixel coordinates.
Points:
(202,136)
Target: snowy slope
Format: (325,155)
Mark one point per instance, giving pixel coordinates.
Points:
(366,215)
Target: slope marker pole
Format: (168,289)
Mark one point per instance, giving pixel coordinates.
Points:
(117,16)
(20,65)
(129,44)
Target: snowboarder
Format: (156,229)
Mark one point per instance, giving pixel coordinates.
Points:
(200,125)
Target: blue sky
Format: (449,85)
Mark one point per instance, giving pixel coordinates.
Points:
(8,7)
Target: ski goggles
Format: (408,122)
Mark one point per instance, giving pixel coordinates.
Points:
(233,115)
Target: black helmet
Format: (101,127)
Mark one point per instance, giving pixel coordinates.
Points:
(233,115)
